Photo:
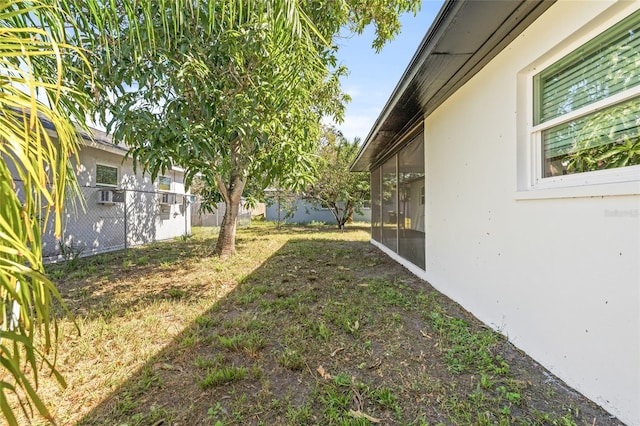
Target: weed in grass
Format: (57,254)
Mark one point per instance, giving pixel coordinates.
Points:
(125,405)
(342,379)
(292,360)
(176,293)
(299,322)
(231,343)
(190,339)
(213,413)
(256,372)
(246,298)
(300,415)
(345,316)
(251,343)
(466,349)
(206,322)
(386,398)
(56,274)
(222,375)
(254,343)
(249,324)
(336,402)
(317,330)
(512,397)
(147,379)
(206,363)
(486,381)
(154,416)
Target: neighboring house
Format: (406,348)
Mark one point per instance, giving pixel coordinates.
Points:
(121,207)
(302,211)
(478,186)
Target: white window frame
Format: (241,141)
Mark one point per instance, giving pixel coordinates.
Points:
(594,182)
(108,185)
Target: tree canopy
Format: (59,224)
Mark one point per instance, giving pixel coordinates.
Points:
(35,92)
(334,186)
(230,89)
(238,101)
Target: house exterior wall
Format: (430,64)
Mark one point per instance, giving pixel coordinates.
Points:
(556,270)
(102,227)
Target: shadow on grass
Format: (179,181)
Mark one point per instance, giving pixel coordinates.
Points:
(249,331)
(329,331)
(87,296)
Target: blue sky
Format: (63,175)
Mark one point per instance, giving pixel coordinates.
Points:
(373,76)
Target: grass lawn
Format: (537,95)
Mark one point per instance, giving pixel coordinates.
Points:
(306,325)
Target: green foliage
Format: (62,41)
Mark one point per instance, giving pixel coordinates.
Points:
(335,187)
(465,349)
(284,200)
(237,95)
(35,178)
(221,375)
(609,139)
(292,360)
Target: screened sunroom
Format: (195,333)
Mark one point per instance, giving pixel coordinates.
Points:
(398,201)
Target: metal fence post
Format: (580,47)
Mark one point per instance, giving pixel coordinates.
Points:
(126,230)
(184,209)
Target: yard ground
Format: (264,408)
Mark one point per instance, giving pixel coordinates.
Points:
(306,325)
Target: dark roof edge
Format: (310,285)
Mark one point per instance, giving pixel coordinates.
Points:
(405,108)
(440,23)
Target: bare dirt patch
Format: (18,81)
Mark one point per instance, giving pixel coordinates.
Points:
(303,326)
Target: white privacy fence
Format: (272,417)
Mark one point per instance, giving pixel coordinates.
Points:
(199,218)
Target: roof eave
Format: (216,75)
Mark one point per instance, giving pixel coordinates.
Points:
(445,60)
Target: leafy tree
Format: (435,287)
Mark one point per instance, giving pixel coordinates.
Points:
(45,80)
(238,102)
(335,187)
(34,178)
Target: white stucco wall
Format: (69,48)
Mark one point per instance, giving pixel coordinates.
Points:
(557,271)
(100,227)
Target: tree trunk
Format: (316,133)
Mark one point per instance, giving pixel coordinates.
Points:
(335,209)
(226,244)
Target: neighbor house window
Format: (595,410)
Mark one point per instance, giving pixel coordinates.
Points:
(587,105)
(164,183)
(106,175)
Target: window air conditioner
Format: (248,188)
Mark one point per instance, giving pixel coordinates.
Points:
(105,196)
(166,198)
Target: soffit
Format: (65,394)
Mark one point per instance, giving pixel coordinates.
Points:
(463,38)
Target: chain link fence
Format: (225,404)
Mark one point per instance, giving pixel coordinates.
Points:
(115,219)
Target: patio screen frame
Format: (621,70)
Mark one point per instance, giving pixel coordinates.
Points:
(398,199)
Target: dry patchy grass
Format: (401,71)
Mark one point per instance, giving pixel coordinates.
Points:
(306,325)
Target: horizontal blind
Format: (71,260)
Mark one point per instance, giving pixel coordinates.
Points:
(613,125)
(607,65)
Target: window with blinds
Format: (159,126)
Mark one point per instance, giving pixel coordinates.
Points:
(587,104)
